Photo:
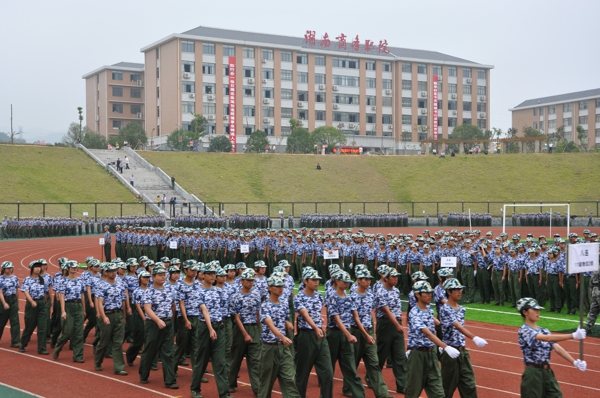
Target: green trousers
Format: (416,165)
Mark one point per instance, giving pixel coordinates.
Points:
(371,268)
(428,271)
(533,284)
(35,317)
(313,352)
(571,293)
(213,350)
(111,338)
(467,274)
(539,383)
(158,342)
(458,373)
(241,348)
(498,288)
(553,289)
(483,281)
(342,351)
(368,354)
(186,339)
(424,373)
(107,252)
(277,362)
(543,292)
(137,335)
(515,287)
(12,314)
(72,329)
(389,341)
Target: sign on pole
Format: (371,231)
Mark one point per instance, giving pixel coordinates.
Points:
(102,241)
(582,257)
(244,248)
(85,213)
(173,244)
(448,262)
(334,255)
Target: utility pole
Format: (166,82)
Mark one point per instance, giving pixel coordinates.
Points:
(12,133)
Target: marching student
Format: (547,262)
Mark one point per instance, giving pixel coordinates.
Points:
(188,297)
(36,308)
(139,318)
(9,300)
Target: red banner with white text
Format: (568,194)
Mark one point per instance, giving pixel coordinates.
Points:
(232,76)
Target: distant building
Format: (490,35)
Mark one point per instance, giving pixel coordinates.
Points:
(546,114)
(114,97)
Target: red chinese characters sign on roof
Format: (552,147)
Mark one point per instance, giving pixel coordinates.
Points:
(310,40)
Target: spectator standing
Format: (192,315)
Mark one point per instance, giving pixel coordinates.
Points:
(131,179)
(126,163)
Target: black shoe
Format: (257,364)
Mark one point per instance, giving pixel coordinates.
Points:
(44,352)
(15,345)
(52,345)
(129,363)
(204,380)
(21,348)
(154,367)
(173,386)
(183,363)
(144,381)
(121,373)
(78,361)
(232,389)
(400,390)
(97,368)
(55,354)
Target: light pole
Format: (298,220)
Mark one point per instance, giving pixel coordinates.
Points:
(80,110)
(152,137)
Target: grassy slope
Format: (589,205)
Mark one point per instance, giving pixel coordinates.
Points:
(498,178)
(36,174)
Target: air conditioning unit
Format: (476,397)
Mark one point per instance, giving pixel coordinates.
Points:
(97,118)
(335,106)
(469,80)
(388,92)
(225,117)
(264,61)
(210,97)
(454,113)
(192,95)
(264,81)
(139,82)
(482,115)
(373,108)
(482,98)
(266,119)
(334,88)
(139,115)
(356,128)
(300,104)
(250,80)
(423,111)
(424,94)
(211,117)
(439,78)
(454,96)
(321,87)
(265,101)
(390,127)
(351,126)
(186,75)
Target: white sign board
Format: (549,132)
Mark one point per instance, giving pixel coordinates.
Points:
(173,244)
(244,248)
(102,241)
(448,262)
(162,212)
(85,213)
(281,212)
(334,255)
(582,257)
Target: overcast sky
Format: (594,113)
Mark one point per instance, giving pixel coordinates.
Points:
(538,47)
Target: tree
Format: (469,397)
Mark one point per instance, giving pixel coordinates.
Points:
(328,135)
(467,132)
(219,143)
(558,135)
(293,124)
(582,137)
(531,132)
(257,142)
(300,141)
(198,127)
(174,140)
(75,134)
(93,140)
(132,133)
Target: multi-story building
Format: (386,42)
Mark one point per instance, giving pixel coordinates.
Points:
(114,97)
(569,110)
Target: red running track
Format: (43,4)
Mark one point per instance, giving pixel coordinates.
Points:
(498,366)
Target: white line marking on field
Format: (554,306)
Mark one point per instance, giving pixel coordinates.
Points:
(18,389)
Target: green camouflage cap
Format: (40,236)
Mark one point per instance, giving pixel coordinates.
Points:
(422,287)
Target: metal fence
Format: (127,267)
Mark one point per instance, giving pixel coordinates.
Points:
(272,209)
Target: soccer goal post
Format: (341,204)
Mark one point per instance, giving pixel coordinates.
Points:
(549,206)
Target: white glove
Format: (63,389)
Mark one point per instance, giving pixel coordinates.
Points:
(351,266)
(408,353)
(440,350)
(579,364)
(479,342)
(579,334)
(452,352)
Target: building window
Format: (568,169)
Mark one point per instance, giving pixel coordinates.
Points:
(597,133)
(568,121)
(248,130)
(287,113)
(117,75)
(117,91)
(452,122)
(440,105)
(406,102)
(597,118)
(345,63)
(249,91)
(319,78)
(481,107)
(267,74)
(286,56)
(466,106)
(466,72)
(117,124)
(551,110)
(157,52)
(386,101)
(481,74)
(287,94)
(302,95)
(440,86)
(370,65)
(466,121)
(452,105)
(135,93)
(302,59)
(268,111)
(406,67)
(421,104)
(157,73)
(371,82)
(467,89)
(208,109)
(386,119)
(552,124)
(228,51)
(268,93)
(225,110)
(319,97)
(249,110)
(406,84)
(422,121)
(248,52)
(302,114)
(267,54)
(452,88)
(583,105)
(157,92)
(117,108)
(422,69)
(452,71)
(286,74)
(225,70)
(481,123)
(421,86)
(134,77)
(371,100)
(188,87)
(190,66)
(320,115)
(248,71)
(208,48)
(598,103)
(208,69)
(406,120)
(209,88)
(371,118)
(187,47)
(302,77)
(188,107)
(437,70)
(387,84)
(566,108)
(386,66)
(535,125)
(583,119)
(481,90)
(541,111)
(319,60)
(269,130)
(286,130)
(346,81)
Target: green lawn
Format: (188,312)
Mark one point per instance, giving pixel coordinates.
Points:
(215,177)
(55,174)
